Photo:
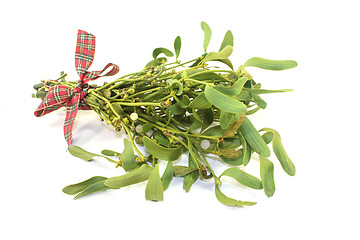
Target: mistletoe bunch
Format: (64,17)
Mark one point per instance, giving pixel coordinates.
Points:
(175,108)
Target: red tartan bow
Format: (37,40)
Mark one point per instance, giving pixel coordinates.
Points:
(74,99)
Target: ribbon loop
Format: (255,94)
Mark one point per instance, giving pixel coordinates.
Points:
(74,99)
(84,53)
(90,76)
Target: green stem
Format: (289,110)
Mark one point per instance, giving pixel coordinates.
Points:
(176,62)
(217,180)
(169,119)
(136,104)
(118,95)
(214,70)
(189,148)
(67,84)
(62,76)
(152,78)
(131,74)
(196,81)
(165,98)
(107,102)
(115,81)
(209,151)
(154,94)
(110,160)
(182,64)
(150,123)
(203,136)
(145,91)
(193,154)
(132,140)
(179,140)
(179,123)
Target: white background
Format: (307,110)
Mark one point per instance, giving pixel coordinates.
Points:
(317,121)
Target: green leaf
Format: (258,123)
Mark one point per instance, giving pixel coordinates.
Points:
(106,93)
(78,187)
(196,115)
(237,161)
(197,62)
(135,176)
(96,187)
(230,201)
(257,99)
(268,136)
(195,124)
(227,62)
(90,100)
(245,97)
(41,94)
(167,175)
(234,127)
(228,40)
(229,153)
(233,90)
(156,62)
(190,178)
(117,107)
(38,85)
(216,56)
(270,64)
(247,155)
(204,74)
(252,111)
(167,154)
(225,119)
(176,82)
(244,156)
(154,187)
(177,46)
(207,34)
(162,139)
(182,171)
(280,152)
(147,127)
(231,142)
(265,91)
(253,138)
(175,109)
(81,153)
(208,118)
(267,175)
(128,156)
(200,102)
(223,102)
(215,131)
(183,102)
(243,178)
(111,153)
(158,51)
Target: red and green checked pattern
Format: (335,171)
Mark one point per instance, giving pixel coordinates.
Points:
(74,99)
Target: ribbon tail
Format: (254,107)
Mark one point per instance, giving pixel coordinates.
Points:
(72,109)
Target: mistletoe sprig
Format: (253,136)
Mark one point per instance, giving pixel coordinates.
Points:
(175,108)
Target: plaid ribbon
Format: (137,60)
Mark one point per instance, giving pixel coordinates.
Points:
(74,99)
